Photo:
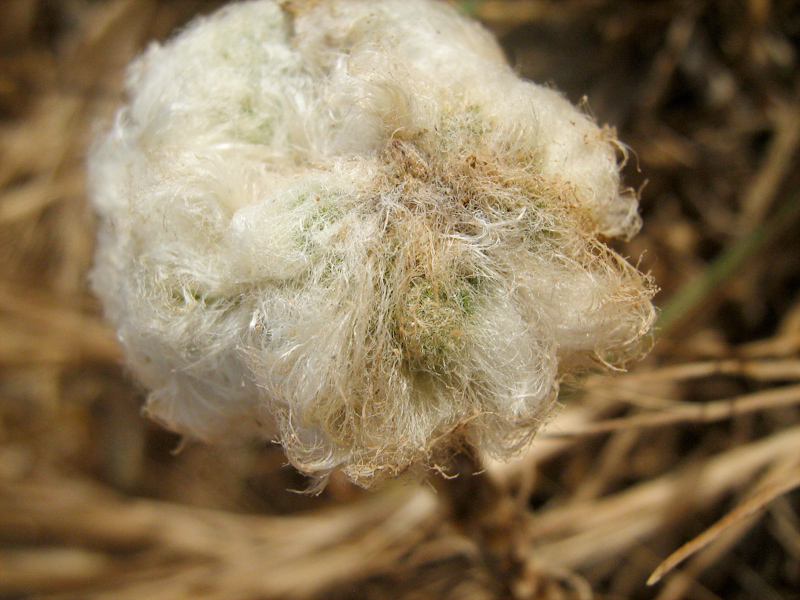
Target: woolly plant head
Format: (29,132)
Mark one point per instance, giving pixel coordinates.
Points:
(349,226)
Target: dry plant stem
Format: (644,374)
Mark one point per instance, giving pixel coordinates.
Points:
(786,342)
(765,369)
(707,549)
(53,333)
(785,526)
(777,164)
(489,516)
(704,413)
(122,549)
(740,513)
(583,534)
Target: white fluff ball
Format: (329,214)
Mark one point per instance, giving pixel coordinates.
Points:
(349,225)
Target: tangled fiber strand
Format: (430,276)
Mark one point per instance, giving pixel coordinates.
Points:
(350,226)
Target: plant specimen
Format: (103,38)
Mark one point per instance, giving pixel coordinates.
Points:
(348,225)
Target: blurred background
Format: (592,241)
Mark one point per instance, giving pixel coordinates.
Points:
(701,439)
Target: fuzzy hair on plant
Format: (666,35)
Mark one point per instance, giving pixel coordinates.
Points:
(349,226)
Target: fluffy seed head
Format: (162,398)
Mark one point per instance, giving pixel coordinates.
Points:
(349,225)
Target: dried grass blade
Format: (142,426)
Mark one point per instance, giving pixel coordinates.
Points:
(58,330)
(743,511)
(775,369)
(584,534)
(696,413)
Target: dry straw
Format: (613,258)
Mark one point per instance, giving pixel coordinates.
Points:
(93,505)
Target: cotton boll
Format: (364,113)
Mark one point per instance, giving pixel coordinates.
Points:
(348,225)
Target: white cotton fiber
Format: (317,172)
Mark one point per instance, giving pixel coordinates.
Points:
(348,225)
